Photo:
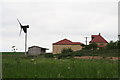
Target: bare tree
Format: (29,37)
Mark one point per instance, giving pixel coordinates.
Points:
(14,48)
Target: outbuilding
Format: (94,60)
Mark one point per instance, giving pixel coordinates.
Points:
(36,50)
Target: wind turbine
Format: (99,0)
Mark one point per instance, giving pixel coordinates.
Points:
(24,28)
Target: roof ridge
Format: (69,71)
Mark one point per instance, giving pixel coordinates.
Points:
(66,41)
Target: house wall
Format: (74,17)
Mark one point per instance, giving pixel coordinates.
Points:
(34,51)
(105,44)
(43,51)
(58,48)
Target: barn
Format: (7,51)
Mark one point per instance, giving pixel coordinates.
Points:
(36,50)
(65,43)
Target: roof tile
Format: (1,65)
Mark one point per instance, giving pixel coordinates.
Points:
(98,39)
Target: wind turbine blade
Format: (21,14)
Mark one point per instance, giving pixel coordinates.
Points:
(19,23)
(20,31)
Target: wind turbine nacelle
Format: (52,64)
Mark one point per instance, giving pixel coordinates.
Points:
(27,26)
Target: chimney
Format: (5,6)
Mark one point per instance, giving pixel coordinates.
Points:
(99,34)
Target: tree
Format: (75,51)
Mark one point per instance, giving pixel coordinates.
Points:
(14,49)
(118,45)
(112,45)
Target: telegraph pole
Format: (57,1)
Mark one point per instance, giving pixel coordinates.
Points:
(86,39)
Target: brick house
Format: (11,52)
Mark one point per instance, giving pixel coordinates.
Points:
(99,40)
(65,43)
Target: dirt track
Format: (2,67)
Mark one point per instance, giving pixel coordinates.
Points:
(97,57)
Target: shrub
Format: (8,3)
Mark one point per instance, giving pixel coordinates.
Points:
(93,46)
(102,48)
(87,47)
(65,50)
(48,55)
(65,55)
(60,56)
(82,45)
(79,53)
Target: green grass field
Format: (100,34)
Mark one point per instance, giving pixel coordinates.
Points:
(12,53)
(24,67)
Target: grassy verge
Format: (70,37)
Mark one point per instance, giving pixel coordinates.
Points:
(104,52)
(12,53)
(40,67)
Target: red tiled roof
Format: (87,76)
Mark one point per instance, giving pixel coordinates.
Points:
(77,43)
(94,35)
(98,39)
(67,42)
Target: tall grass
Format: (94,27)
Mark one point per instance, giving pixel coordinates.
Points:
(21,67)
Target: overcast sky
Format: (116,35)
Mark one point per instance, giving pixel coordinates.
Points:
(54,20)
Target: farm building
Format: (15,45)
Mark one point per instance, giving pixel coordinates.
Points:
(36,50)
(99,40)
(65,43)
